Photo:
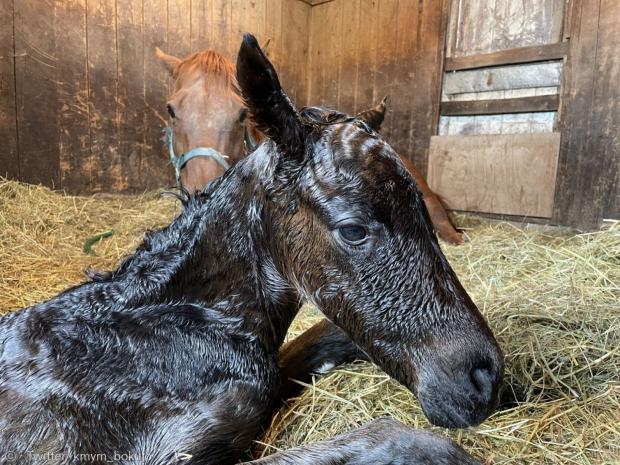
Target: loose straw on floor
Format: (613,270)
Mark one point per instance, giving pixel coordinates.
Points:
(551,298)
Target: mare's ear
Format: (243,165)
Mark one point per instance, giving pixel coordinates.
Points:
(373,117)
(271,110)
(170,62)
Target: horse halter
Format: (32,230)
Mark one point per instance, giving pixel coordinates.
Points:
(178,162)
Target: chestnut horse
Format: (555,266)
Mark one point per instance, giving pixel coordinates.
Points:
(173,358)
(208,120)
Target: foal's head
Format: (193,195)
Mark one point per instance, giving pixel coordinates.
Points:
(205,110)
(348,229)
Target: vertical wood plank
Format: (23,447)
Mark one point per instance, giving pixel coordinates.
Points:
(9,156)
(220,14)
(328,53)
(274,13)
(432,25)
(179,27)
(300,21)
(155,166)
(402,96)
(103,95)
(335,55)
(607,108)
(365,84)
(350,57)
(131,108)
(72,105)
(316,68)
(453,27)
(254,20)
(200,25)
(587,184)
(396,48)
(387,80)
(35,77)
(236,20)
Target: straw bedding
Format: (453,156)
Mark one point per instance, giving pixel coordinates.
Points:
(552,299)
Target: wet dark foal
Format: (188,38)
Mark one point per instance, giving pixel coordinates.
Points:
(173,357)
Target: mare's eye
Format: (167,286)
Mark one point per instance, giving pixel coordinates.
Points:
(353,234)
(171,111)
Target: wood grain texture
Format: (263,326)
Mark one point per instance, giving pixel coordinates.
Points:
(363,50)
(105,158)
(513,77)
(130,93)
(9,156)
(516,123)
(588,172)
(511,174)
(72,106)
(155,168)
(543,103)
(291,54)
(483,26)
(519,55)
(89,109)
(36,92)
(500,49)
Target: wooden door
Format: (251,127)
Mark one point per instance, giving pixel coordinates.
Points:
(497,145)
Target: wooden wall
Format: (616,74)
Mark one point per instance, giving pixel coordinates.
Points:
(82,97)
(588,189)
(362,50)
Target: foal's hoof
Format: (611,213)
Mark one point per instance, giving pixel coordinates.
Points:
(401,445)
(450,235)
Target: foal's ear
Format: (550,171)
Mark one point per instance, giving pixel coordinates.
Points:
(271,110)
(170,62)
(374,116)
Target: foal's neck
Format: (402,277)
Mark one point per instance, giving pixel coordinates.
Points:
(212,253)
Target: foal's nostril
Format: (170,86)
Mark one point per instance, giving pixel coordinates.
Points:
(483,381)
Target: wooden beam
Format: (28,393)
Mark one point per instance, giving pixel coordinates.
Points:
(500,106)
(512,77)
(509,57)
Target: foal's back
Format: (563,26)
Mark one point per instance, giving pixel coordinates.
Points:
(84,374)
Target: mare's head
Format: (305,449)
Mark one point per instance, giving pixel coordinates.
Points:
(205,110)
(346,227)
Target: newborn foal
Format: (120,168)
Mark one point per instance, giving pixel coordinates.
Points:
(173,357)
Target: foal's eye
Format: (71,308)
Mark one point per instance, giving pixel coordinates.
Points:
(171,111)
(353,234)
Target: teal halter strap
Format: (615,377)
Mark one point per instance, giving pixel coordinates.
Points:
(179,162)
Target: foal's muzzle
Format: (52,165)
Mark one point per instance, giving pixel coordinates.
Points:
(463,395)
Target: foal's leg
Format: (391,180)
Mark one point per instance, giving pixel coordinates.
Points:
(380,442)
(316,351)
